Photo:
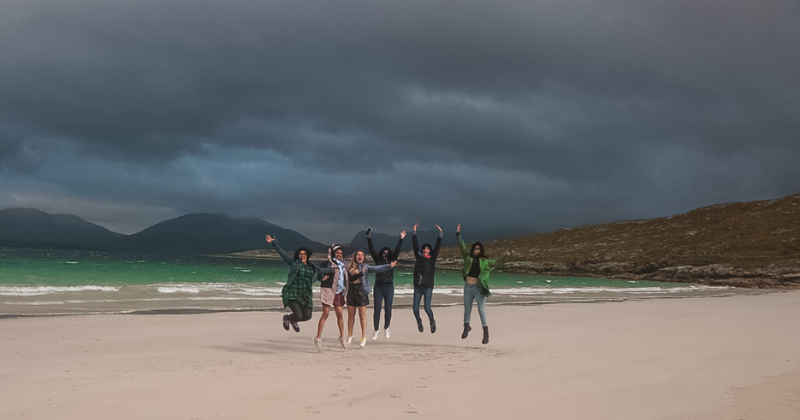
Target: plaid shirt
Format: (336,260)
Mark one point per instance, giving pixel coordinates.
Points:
(300,289)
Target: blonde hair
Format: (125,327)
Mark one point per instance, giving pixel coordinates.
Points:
(352,266)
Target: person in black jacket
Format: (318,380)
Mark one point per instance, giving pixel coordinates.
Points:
(384,283)
(424,269)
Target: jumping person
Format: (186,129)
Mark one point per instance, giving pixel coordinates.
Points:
(358,292)
(384,283)
(475,272)
(424,269)
(296,293)
(332,292)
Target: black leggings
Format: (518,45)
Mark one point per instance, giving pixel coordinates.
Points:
(299,313)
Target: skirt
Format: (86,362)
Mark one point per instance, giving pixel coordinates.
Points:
(356,295)
(326,295)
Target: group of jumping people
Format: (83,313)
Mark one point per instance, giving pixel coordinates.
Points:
(347,284)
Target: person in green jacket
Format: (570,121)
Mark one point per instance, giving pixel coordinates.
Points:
(296,293)
(475,272)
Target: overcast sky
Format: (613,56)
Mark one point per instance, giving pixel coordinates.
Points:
(330,116)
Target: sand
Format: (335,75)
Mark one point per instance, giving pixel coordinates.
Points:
(696,358)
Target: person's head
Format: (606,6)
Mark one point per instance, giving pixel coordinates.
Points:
(336,252)
(355,261)
(477,250)
(385,254)
(426,250)
(358,256)
(302,254)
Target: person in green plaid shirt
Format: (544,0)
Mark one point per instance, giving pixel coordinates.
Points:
(297,294)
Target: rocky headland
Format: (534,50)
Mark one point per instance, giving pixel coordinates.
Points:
(753,244)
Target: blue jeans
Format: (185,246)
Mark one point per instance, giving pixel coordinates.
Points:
(473,292)
(419,292)
(383,292)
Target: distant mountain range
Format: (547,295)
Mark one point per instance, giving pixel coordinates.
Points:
(751,244)
(189,234)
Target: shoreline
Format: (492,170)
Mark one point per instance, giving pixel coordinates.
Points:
(453,301)
(668,359)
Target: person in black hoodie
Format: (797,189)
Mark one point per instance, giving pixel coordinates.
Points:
(384,283)
(424,269)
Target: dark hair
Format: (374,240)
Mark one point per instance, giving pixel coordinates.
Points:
(297,253)
(426,245)
(481,254)
(385,249)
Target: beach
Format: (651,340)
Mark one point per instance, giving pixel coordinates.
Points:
(735,357)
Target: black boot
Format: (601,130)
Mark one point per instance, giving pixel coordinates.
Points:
(433,326)
(419,325)
(485,335)
(467,329)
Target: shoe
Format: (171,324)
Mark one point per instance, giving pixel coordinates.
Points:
(317,344)
(349,339)
(286,322)
(343,343)
(433,327)
(363,342)
(419,325)
(485,335)
(386,333)
(295,326)
(467,329)
(375,335)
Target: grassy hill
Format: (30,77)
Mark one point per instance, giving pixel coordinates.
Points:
(751,244)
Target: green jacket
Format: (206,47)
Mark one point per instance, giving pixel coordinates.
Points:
(486,265)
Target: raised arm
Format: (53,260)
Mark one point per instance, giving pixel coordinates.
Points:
(435,251)
(274,242)
(414,240)
(396,252)
(371,246)
(461,245)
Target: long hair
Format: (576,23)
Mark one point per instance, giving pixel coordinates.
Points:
(297,253)
(352,266)
(385,249)
(481,254)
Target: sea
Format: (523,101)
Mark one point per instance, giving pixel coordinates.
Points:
(50,282)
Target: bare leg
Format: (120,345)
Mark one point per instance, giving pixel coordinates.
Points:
(325,311)
(339,319)
(351,320)
(362,316)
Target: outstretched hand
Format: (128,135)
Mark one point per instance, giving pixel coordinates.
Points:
(458,228)
(415,227)
(393,263)
(439,227)
(402,234)
(271,238)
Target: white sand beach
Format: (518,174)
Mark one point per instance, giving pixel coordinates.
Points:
(696,358)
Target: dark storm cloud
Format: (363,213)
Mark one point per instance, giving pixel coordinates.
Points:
(529,114)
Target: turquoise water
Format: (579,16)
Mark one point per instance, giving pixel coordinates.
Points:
(48,282)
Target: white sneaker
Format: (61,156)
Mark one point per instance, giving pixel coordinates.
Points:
(374,336)
(349,339)
(363,342)
(318,344)
(386,333)
(343,342)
